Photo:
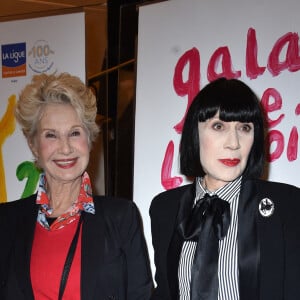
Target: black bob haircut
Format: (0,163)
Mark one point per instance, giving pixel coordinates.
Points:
(234,101)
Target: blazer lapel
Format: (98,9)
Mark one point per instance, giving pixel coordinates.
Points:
(24,239)
(92,252)
(184,206)
(260,244)
(248,242)
(272,262)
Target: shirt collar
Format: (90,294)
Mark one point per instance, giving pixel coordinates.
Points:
(226,192)
(84,202)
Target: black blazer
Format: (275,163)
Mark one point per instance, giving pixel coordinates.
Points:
(114,258)
(268,247)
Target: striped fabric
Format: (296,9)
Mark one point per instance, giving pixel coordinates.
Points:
(228,264)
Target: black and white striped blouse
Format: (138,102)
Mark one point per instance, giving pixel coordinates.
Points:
(228,256)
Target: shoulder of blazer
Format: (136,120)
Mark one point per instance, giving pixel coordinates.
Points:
(119,218)
(18,207)
(12,215)
(115,209)
(277,190)
(277,186)
(285,197)
(113,204)
(170,199)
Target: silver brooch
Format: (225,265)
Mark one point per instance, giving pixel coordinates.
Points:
(266,207)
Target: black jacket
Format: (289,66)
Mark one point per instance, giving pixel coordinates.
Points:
(270,272)
(114,261)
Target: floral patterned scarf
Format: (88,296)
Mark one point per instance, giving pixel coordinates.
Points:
(84,203)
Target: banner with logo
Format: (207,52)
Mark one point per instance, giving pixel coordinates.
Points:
(183,45)
(29,47)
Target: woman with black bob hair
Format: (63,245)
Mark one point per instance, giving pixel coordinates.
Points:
(229,234)
(234,101)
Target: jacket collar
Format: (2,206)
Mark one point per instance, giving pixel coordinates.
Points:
(271,241)
(185,204)
(24,238)
(248,242)
(92,251)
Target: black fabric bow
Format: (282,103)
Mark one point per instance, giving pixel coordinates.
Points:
(207,224)
(212,207)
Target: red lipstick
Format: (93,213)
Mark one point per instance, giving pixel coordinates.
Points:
(230,162)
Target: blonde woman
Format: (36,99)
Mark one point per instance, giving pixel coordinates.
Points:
(64,242)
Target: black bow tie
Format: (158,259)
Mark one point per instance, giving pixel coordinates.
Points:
(207,223)
(209,207)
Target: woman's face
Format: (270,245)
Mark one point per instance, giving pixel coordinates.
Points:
(224,150)
(61,145)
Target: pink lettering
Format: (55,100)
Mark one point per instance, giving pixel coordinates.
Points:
(292,59)
(252,68)
(275,136)
(191,86)
(269,106)
(221,54)
(297,110)
(220,65)
(292,149)
(167,181)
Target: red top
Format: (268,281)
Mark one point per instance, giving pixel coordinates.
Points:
(49,252)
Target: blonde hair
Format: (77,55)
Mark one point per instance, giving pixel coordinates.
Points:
(61,88)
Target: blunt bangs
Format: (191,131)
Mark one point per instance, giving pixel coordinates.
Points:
(233,99)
